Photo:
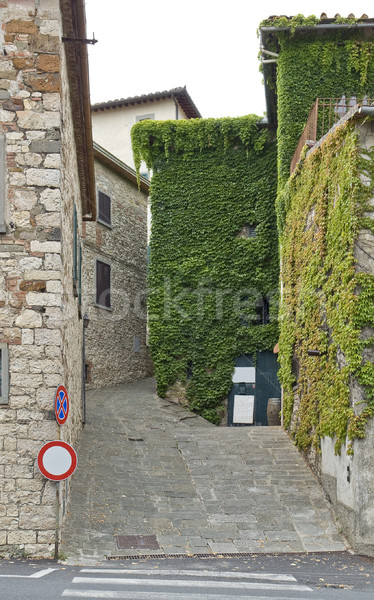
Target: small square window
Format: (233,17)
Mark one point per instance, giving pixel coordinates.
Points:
(145,117)
(247,231)
(4,374)
(103,284)
(104,212)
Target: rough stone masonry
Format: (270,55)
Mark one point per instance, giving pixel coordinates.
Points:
(40,327)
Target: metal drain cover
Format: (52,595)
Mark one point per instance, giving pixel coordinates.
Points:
(137,542)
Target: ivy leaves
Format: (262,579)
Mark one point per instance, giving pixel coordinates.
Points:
(212,179)
(326,302)
(339,63)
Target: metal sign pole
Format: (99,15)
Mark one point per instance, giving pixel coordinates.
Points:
(57,530)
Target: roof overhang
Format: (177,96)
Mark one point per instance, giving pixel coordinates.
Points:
(74,26)
(120,167)
(179,95)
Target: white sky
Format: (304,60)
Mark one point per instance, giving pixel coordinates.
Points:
(153,45)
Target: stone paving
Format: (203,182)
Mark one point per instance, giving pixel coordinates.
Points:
(149,467)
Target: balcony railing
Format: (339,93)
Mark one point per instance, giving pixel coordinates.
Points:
(324,114)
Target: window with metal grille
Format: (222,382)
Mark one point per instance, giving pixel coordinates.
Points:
(103,284)
(104,212)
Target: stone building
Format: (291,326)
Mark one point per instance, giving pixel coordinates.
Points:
(344,462)
(114,276)
(46,190)
(112,121)
(325,203)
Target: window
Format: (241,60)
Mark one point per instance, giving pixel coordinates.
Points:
(2,184)
(136,344)
(247,231)
(75,251)
(145,117)
(104,212)
(103,284)
(4,374)
(80,277)
(254,314)
(261,312)
(189,369)
(88,371)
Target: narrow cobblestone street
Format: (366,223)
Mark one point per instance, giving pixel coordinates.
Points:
(148,467)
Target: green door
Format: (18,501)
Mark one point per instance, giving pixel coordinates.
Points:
(254,382)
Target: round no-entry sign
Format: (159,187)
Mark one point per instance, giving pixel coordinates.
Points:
(57,460)
(61,404)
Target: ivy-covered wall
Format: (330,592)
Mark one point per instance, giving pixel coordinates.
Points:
(328,296)
(214,183)
(314,64)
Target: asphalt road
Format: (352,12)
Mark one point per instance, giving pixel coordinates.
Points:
(294,577)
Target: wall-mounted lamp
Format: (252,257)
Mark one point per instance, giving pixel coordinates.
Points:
(314,353)
(86,321)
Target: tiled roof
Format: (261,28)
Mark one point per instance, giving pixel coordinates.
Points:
(179,93)
(324,19)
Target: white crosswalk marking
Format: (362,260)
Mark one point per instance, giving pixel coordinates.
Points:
(36,575)
(168,584)
(42,573)
(162,596)
(239,585)
(191,573)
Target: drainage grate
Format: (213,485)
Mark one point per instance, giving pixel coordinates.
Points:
(223,554)
(137,542)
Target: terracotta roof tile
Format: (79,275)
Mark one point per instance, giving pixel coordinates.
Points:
(179,93)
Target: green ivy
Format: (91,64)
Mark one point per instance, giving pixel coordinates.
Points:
(211,178)
(293,22)
(301,21)
(327,302)
(310,66)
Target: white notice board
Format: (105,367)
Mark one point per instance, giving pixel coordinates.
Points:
(243,409)
(244,375)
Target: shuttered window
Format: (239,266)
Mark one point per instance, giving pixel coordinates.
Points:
(80,277)
(104,212)
(103,284)
(75,251)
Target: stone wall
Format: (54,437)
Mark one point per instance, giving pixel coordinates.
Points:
(38,311)
(349,480)
(116,350)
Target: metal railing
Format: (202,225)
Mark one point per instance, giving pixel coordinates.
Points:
(324,114)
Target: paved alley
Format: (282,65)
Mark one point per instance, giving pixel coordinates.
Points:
(150,469)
